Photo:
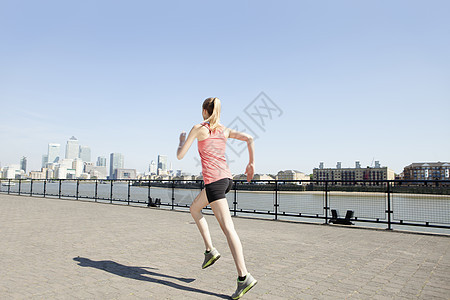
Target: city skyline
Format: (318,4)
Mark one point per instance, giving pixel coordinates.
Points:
(347,81)
(116,161)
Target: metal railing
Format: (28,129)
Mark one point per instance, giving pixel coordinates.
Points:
(387,202)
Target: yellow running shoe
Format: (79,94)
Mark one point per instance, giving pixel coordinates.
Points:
(244,286)
(210,258)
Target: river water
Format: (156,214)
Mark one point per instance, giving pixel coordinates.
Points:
(415,208)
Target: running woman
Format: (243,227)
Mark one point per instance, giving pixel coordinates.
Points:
(212,137)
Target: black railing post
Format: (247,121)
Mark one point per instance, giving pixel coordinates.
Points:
(173,194)
(235,199)
(59,192)
(326,202)
(20,183)
(148,194)
(129,187)
(78,187)
(111,192)
(202,185)
(96,190)
(389,211)
(31,188)
(276,200)
(45,187)
(9,185)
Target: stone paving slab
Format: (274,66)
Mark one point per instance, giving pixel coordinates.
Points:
(67,249)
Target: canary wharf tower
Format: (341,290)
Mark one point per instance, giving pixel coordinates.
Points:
(72,148)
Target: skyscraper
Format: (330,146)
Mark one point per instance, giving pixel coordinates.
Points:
(101,161)
(44,160)
(162,162)
(72,148)
(115,162)
(85,153)
(153,168)
(53,153)
(23,164)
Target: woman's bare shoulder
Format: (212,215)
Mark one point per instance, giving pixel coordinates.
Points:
(226,131)
(200,128)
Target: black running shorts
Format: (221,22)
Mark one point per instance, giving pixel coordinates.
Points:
(216,190)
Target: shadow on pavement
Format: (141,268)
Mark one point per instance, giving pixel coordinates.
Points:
(139,272)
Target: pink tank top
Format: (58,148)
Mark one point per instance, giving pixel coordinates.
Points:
(212,154)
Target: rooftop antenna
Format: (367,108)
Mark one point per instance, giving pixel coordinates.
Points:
(371,165)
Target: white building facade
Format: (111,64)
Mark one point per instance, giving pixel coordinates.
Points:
(72,148)
(85,153)
(53,154)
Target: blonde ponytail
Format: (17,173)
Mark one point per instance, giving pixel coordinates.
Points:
(212,106)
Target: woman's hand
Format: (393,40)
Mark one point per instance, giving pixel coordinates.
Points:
(186,142)
(182,138)
(250,171)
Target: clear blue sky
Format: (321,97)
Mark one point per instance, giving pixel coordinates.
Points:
(355,80)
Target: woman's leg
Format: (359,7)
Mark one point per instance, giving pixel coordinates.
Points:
(197,205)
(222,213)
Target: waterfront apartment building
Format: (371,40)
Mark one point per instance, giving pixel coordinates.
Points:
(124,173)
(96,172)
(353,174)
(12,172)
(38,174)
(292,175)
(427,171)
(184,178)
(255,177)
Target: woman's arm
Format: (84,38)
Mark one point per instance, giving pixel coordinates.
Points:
(250,169)
(185,144)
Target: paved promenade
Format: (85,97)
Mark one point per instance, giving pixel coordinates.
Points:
(64,249)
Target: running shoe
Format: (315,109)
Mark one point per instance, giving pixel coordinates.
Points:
(210,258)
(244,286)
